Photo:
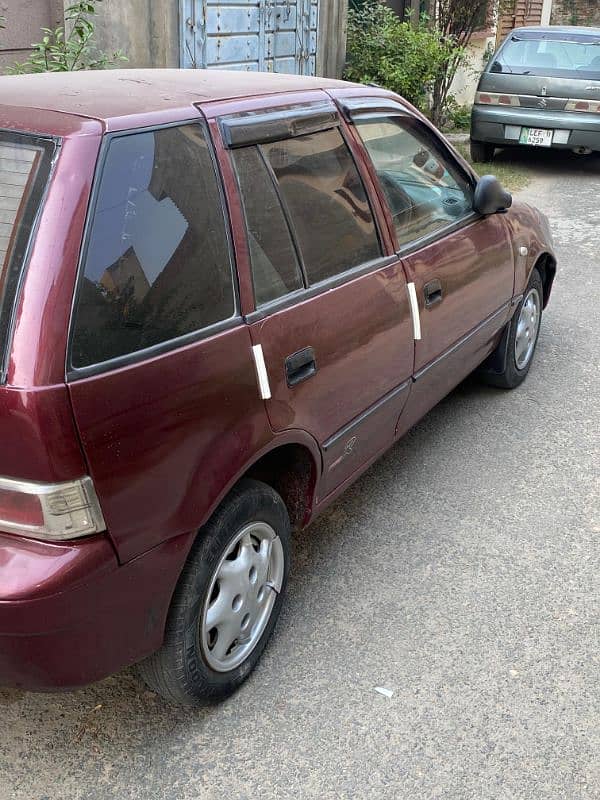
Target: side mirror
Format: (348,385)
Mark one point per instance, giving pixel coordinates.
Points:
(490,196)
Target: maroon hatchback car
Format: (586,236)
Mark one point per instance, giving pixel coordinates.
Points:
(222,297)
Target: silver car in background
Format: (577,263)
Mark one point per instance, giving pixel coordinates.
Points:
(542,89)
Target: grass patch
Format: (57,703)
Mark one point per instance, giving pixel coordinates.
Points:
(513,175)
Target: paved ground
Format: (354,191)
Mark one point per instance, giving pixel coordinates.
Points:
(462,572)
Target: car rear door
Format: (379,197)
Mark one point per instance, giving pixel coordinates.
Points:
(460,264)
(161,376)
(330,323)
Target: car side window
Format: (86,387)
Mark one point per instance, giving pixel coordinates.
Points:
(326,202)
(157,264)
(424,190)
(275,267)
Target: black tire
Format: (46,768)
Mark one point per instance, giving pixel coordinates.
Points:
(179,671)
(482,152)
(510,376)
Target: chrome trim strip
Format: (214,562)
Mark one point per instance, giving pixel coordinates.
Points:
(462,341)
(343,432)
(414,310)
(262,377)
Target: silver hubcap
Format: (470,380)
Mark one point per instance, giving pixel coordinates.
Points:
(241,596)
(527,329)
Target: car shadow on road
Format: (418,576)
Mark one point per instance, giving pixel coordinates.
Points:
(548,162)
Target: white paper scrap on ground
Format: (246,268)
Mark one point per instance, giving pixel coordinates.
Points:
(385,692)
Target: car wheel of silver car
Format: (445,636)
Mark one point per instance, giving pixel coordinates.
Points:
(227,600)
(481,152)
(516,349)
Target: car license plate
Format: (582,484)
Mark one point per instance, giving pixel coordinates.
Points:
(538,137)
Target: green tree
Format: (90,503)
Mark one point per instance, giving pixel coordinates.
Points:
(392,53)
(70,47)
(456,21)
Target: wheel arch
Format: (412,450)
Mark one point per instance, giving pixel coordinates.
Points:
(292,465)
(545,264)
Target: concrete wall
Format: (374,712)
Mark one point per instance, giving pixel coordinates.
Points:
(331,47)
(24,21)
(465,82)
(576,12)
(147,31)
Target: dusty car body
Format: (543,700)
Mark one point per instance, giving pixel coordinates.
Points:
(224,294)
(540,89)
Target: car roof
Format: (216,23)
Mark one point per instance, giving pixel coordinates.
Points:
(108,94)
(573,29)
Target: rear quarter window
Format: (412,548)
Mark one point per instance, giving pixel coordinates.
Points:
(25,164)
(157,264)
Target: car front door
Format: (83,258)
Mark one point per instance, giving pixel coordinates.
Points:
(460,264)
(331,328)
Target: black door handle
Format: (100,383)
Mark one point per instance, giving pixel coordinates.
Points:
(433,293)
(300,366)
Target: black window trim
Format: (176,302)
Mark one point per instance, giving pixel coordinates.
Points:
(44,140)
(242,129)
(72,373)
(360,109)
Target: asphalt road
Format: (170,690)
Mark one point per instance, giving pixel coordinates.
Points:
(461,572)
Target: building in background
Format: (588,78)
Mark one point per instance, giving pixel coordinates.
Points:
(296,36)
(299,36)
(519,13)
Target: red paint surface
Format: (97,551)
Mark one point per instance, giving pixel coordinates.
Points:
(165,439)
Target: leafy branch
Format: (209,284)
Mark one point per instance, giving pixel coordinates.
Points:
(457,21)
(70,47)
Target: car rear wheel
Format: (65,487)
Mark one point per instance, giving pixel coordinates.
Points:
(482,151)
(227,600)
(520,339)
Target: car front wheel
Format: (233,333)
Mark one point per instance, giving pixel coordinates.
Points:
(520,339)
(227,600)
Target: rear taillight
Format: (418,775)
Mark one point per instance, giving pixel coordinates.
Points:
(492,99)
(591,106)
(50,511)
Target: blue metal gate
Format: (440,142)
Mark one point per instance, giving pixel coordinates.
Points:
(265,35)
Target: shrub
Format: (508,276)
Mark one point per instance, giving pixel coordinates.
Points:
(459,116)
(397,55)
(64,50)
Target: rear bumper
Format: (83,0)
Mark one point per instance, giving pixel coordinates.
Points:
(488,124)
(70,614)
